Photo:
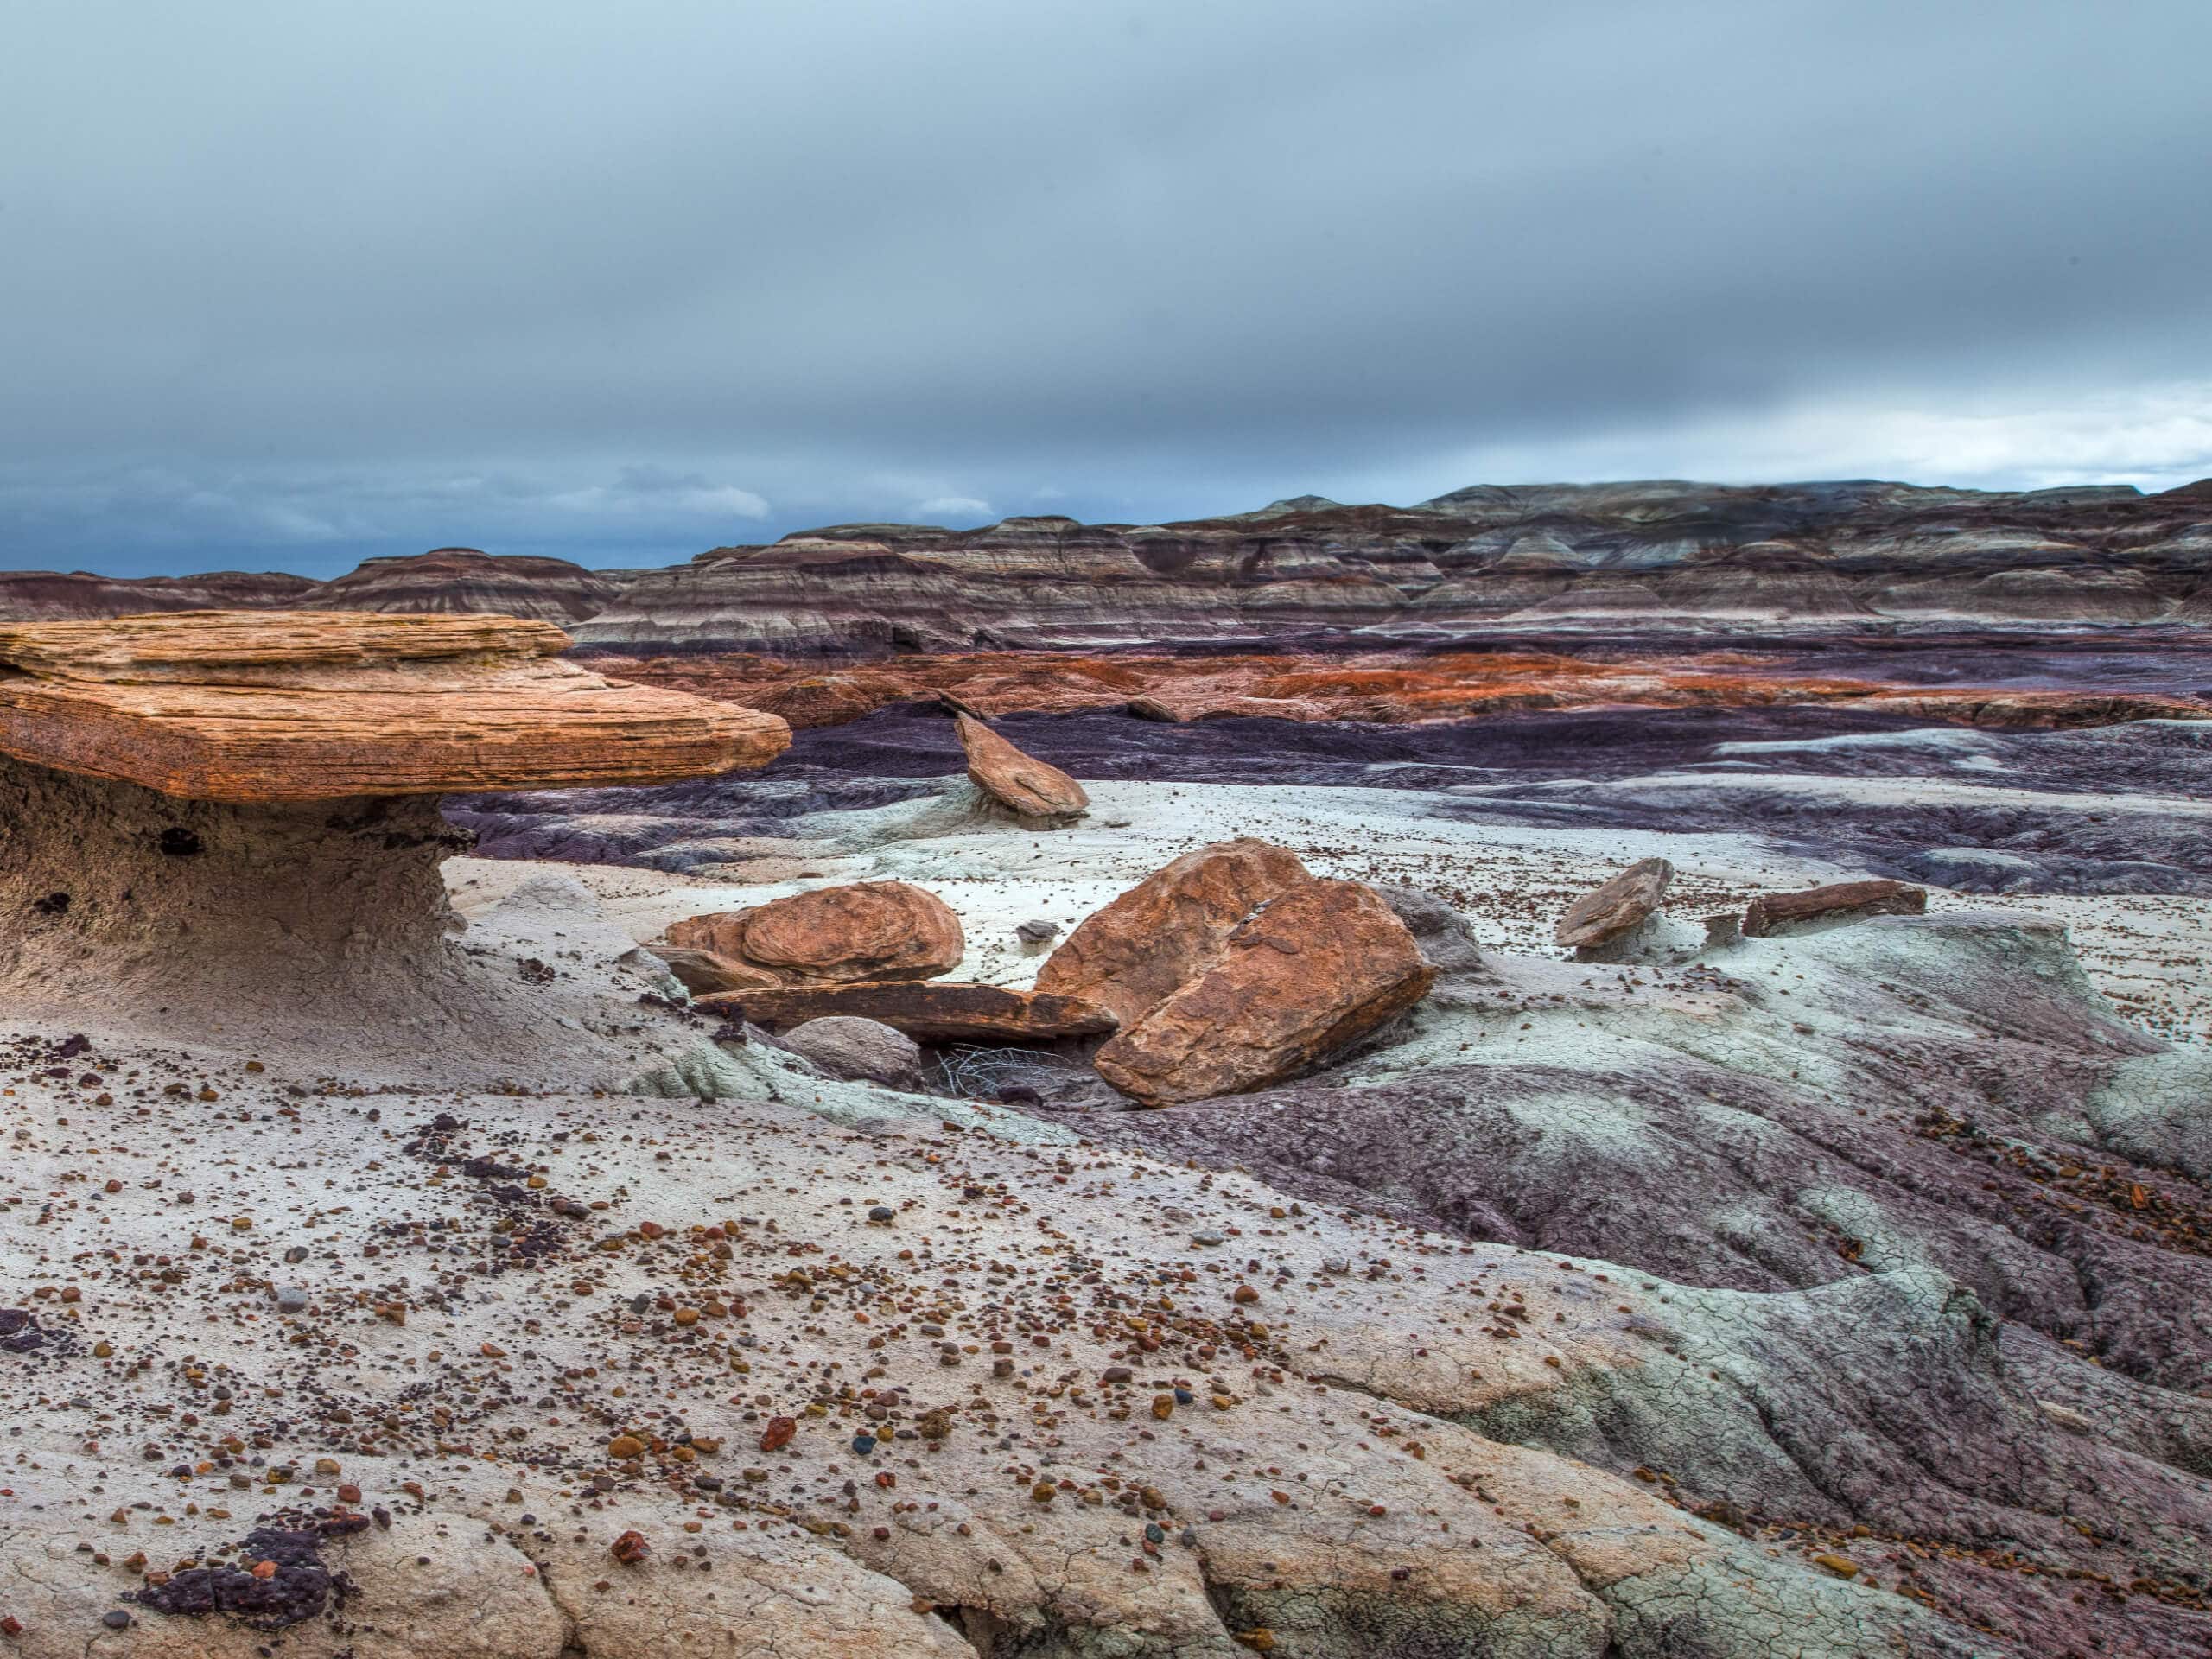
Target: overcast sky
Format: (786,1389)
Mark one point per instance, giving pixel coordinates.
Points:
(284,284)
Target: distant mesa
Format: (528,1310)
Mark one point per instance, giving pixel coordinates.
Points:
(1488,559)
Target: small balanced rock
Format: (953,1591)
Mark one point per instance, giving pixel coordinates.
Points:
(1616,909)
(1025,785)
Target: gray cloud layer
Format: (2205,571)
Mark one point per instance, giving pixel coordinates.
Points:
(290,284)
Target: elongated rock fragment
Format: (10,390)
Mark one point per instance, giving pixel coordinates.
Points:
(1838,902)
(927,1010)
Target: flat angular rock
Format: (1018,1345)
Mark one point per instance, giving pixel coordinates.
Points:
(1323,965)
(932,1011)
(861,930)
(1839,901)
(1620,906)
(1143,947)
(1019,782)
(277,706)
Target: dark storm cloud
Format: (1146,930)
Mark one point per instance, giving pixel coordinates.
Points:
(286,285)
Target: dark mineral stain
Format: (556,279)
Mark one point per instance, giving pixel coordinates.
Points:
(300,1587)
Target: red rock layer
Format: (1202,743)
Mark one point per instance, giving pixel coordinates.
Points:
(1392,687)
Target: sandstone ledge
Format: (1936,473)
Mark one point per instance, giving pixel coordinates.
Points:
(268,707)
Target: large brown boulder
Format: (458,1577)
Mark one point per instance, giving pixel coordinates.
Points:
(1022,784)
(935,1011)
(1617,908)
(1322,965)
(864,930)
(1169,928)
(1838,902)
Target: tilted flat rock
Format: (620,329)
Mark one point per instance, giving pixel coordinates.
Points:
(1025,785)
(1620,906)
(1781,912)
(290,706)
(933,1010)
(1147,943)
(1319,967)
(862,930)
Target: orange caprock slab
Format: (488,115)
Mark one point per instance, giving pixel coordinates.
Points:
(271,706)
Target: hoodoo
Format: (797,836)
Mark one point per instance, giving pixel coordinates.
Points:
(230,813)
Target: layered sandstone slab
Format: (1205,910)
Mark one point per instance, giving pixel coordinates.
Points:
(231,818)
(291,706)
(929,1011)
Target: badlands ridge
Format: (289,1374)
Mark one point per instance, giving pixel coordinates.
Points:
(1654,556)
